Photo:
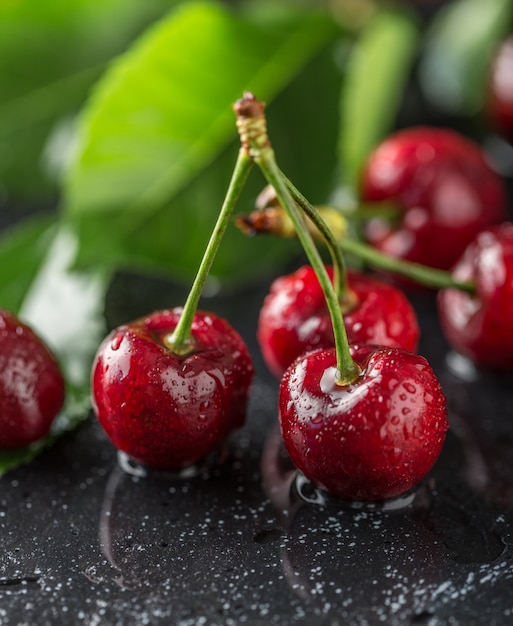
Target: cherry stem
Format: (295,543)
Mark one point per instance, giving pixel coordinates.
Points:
(366,211)
(252,128)
(179,341)
(332,219)
(422,274)
(345,296)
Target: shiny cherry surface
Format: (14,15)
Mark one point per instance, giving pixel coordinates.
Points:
(294,318)
(500,92)
(371,440)
(444,188)
(164,410)
(32,387)
(480,326)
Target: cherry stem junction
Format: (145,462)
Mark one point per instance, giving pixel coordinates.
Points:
(330,218)
(180,341)
(427,276)
(252,127)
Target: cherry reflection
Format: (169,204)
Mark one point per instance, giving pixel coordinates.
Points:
(396,560)
(288,489)
(158,531)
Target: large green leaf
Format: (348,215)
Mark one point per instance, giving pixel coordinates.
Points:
(64,308)
(51,51)
(378,68)
(157,140)
(459,48)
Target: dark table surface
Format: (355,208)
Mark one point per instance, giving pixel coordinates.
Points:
(245,542)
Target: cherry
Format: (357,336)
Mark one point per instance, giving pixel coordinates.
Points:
(499,103)
(479,325)
(170,387)
(372,439)
(165,410)
(445,190)
(32,388)
(294,318)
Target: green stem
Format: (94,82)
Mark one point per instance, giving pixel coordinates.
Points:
(253,131)
(427,276)
(340,271)
(366,211)
(180,341)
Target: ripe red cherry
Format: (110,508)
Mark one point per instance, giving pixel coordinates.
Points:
(444,188)
(500,90)
(479,326)
(164,410)
(294,318)
(371,440)
(32,387)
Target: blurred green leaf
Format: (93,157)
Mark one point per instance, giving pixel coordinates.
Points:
(51,52)
(157,140)
(22,249)
(458,53)
(64,308)
(378,68)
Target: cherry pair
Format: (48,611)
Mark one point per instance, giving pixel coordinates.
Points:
(363,422)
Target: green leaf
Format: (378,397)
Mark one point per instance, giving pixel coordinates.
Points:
(51,52)
(22,249)
(377,70)
(157,147)
(64,308)
(458,53)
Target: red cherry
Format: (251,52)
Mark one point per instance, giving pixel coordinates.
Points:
(500,90)
(444,188)
(479,326)
(294,318)
(32,387)
(371,440)
(164,410)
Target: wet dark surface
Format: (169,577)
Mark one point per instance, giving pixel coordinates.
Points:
(243,542)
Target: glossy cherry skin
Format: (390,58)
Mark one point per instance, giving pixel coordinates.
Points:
(499,103)
(479,326)
(294,318)
(444,188)
(32,388)
(371,440)
(167,411)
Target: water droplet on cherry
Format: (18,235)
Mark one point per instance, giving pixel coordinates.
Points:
(410,387)
(116,342)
